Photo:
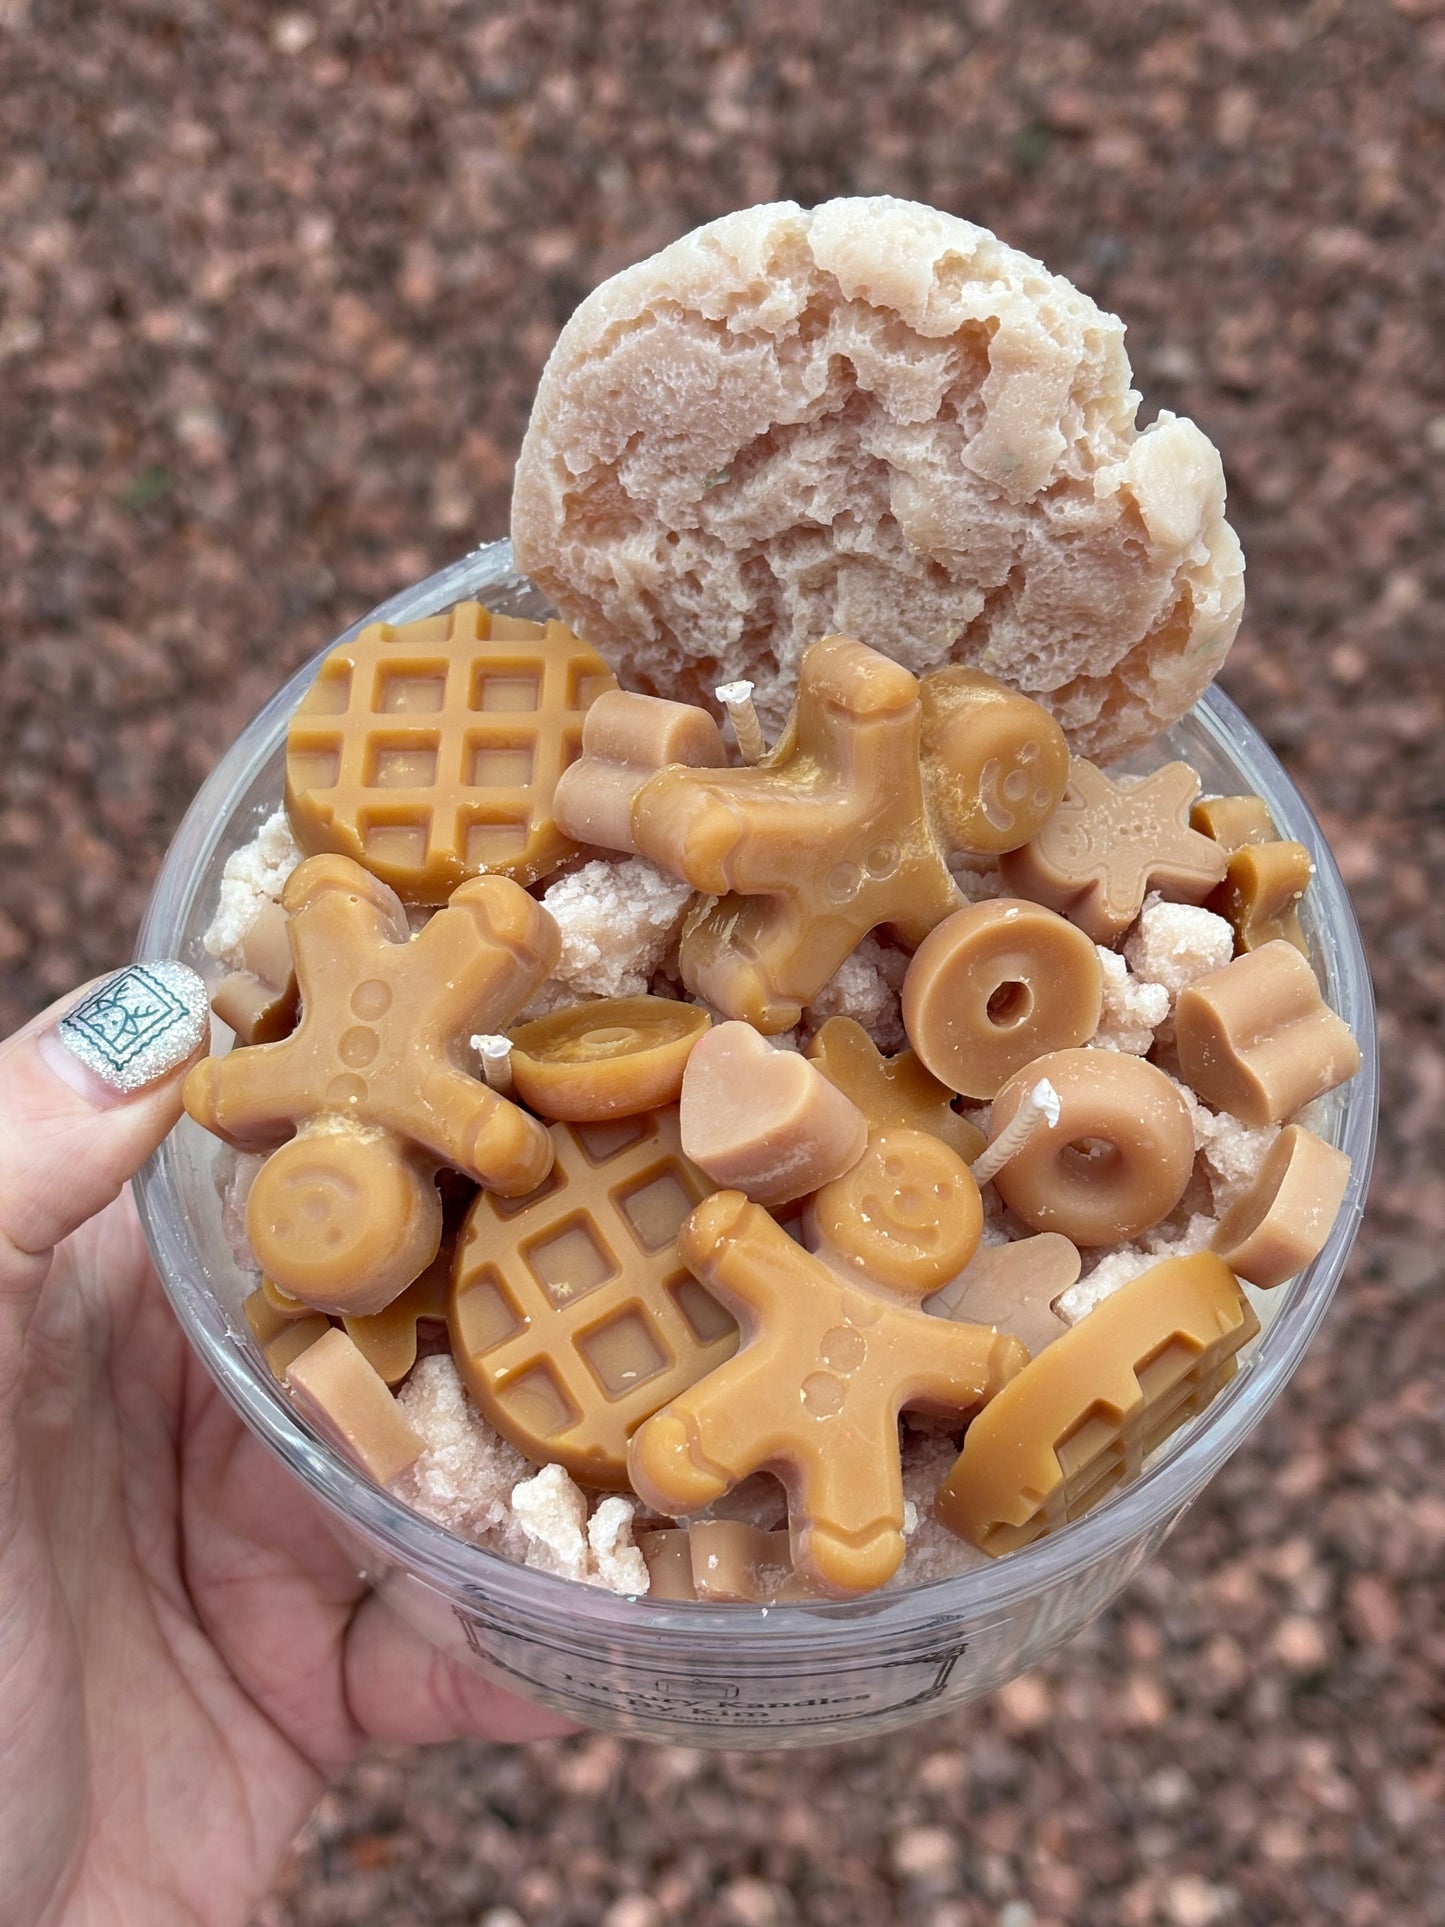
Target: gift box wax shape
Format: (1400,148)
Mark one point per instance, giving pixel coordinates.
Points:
(834,1346)
(347,1213)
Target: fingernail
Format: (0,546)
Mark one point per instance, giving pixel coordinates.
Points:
(132,1029)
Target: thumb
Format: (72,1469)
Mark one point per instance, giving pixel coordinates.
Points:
(87,1091)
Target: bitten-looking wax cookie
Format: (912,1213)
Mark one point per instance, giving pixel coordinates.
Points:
(877,419)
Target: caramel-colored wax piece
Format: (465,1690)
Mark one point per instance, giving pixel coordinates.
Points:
(282,1335)
(808,851)
(1257,1039)
(1233,821)
(765,1121)
(430,753)
(1080,1419)
(722,1560)
(626,739)
(834,1346)
(995,763)
(387,1339)
(1261,894)
(996,985)
(1108,844)
(346,1213)
(610,1057)
(259,1000)
(1013,1288)
(332,1384)
(1283,1220)
(572,1315)
(891,1090)
(1116,1162)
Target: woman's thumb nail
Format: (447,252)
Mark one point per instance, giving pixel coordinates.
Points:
(130,1031)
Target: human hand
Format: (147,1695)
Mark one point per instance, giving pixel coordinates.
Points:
(186,1655)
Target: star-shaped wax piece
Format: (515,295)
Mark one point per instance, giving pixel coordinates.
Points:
(833,1346)
(807,852)
(1108,844)
(891,1091)
(1013,1287)
(370,1089)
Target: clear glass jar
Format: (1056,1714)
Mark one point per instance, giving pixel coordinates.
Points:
(733,1676)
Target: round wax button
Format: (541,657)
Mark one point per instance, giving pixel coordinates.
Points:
(614,1058)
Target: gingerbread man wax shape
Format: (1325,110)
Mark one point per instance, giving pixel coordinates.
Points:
(346,1213)
(809,851)
(834,1346)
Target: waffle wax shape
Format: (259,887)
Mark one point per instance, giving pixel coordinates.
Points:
(765,1121)
(833,835)
(1267,875)
(1108,844)
(834,1345)
(431,753)
(1080,1419)
(1257,1039)
(572,1315)
(346,1213)
(612,1057)
(996,985)
(1117,1160)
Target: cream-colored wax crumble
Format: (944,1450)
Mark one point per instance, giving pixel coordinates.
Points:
(1133,1010)
(618,921)
(254,876)
(1174,944)
(865,987)
(932,1551)
(1124,1262)
(470,1480)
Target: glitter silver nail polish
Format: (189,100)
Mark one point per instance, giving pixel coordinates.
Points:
(138,1024)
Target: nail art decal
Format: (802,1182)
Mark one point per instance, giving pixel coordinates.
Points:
(138,1024)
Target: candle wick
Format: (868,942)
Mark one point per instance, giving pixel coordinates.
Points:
(496,1056)
(737,699)
(1040,1106)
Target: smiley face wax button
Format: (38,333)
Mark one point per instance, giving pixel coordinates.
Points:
(1108,844)
(808,851)
(609,1057)
(1257,1039)
(765,1121)
(833,1347)
(996,985)
(572,1314)
(1081,1418)
(995,763)
(346,1213)
(1283,1220)
(430,753)
(1116,1162)
(627,738)
(891,1090)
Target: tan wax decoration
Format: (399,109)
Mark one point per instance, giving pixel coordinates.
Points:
(282,1335)
(834,1346)
(1284,1219)
(722,1559)
(259,1001)
(387,1340)
(1261,894)
(1108,844)
(332,1384)
(891,1090)
(609,1057)
(996,985)
(430,752)
(808,851)
(1081,1418)
(1257,1039)
(347,1213)
(765,1121)
(1013,1288)
(572,1315)
(1116,1162)
(627,738)
(1233,821)
(995,763)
